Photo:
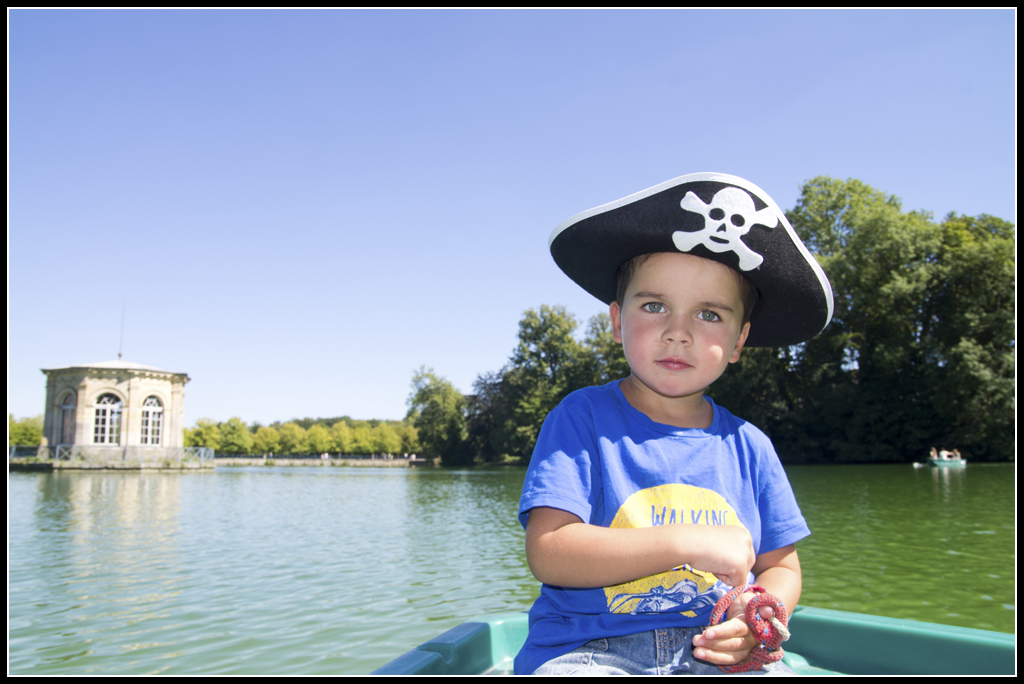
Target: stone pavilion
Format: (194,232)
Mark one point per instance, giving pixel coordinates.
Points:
(114,404)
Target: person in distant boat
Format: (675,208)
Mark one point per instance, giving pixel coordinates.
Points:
(645,501)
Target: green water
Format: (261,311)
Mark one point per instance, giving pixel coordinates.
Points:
(928,544)
(337,571)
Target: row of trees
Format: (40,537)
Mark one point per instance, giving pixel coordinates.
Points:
(299,437)
(919,353)
(307,436)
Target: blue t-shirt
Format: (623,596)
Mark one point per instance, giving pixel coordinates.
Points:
(606,462)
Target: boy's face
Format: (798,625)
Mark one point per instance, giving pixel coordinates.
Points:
(680,325)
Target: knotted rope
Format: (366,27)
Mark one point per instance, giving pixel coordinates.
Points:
(769,633)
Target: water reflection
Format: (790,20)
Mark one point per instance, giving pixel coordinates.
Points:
(105,560)
(333,571)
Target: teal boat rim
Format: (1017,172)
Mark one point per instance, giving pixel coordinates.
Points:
(824,642)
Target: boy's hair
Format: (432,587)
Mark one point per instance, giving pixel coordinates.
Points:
(748,293)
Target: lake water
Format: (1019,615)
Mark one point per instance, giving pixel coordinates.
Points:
(295,570)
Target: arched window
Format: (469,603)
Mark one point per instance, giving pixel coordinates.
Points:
(152,419)
(67,419)
(107,425)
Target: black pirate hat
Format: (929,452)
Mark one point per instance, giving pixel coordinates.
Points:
(710,215)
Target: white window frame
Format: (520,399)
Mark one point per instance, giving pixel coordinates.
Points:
(152,421)
(107,420)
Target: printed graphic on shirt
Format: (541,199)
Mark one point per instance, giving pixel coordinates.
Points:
(683,589)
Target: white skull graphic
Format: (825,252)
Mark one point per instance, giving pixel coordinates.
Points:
(726,219)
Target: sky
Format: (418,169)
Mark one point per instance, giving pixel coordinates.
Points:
(301,208)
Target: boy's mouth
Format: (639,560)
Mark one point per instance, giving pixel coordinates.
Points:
(673,364)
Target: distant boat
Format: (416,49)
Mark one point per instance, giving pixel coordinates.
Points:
(948,463)
(946,459)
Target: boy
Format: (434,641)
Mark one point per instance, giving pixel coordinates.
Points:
(644,501)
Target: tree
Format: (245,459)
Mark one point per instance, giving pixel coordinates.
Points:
(508,407)
(974,299)
(437,410)
(386,439)
(487,415)
(547,364)
(235,437)
(319,439)
(410,440)
(24,432)
(204,434)
(293,440)
(266,440)
(341,438)
(602,353)
(362,438)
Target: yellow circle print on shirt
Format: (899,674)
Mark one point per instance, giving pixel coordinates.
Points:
(678,590)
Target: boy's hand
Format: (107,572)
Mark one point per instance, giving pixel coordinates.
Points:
(730,642)
(727,553)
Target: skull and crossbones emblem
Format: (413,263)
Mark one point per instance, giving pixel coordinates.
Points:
(726,219)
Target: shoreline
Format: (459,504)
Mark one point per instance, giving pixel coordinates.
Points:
(31,464)
(321,463)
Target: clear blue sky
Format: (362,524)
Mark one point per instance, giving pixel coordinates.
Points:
(300,208)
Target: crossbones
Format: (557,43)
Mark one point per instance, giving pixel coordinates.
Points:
(726,219)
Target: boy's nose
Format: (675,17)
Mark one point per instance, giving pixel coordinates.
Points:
(677,329)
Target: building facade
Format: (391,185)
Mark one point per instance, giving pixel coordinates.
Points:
(114,403)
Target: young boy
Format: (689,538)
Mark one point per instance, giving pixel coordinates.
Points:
(645,502)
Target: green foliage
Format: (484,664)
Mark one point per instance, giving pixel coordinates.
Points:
(266,440)
(488,417)
(206,433)
(293,440)
(437,410)
(330,435)
(306,423)
(235,437)
(604,358)
(386,439)
(319,439)
(24,432)
(341,438)
(362,438)
(410,440)
(508,407)
(547,364)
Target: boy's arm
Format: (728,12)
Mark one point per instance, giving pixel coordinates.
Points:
(730,643)
(564,551)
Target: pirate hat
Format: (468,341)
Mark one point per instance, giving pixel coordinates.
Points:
(710,215)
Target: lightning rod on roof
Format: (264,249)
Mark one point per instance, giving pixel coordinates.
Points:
(120,344)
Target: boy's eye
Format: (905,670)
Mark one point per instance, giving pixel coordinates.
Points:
(654,307)
(708,315)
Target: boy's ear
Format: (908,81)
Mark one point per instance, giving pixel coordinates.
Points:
(739,343)
(615,313)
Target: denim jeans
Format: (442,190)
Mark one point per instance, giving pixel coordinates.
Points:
(663,651)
